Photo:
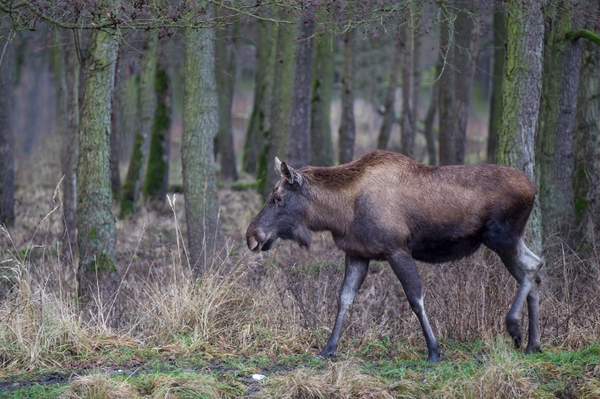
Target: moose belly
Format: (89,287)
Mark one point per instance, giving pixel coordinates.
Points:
(444,250)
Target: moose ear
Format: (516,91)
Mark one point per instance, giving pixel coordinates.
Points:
(288,172)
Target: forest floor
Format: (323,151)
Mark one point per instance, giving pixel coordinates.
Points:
(476,370)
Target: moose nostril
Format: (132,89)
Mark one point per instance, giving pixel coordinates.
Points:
(252,243)
(261,235)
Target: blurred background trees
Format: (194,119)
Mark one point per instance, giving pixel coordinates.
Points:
(188,96)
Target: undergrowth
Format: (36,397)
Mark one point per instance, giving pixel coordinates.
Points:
(270,313)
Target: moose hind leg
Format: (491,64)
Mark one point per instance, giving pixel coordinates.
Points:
(356,271)
(524,266)
(405,269)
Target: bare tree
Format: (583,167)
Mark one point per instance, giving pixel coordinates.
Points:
(95,222)
(322,87)
(299,147)
(465,59)
(446,118)
(497,78)
(132,186)
(407,123)
(7,173)
(66,74)
(521,97)
(200,125)
(225,72)
(389,112)
(347,130)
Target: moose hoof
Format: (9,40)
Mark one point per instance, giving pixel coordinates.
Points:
(532,349)
(327,353)
(434,355)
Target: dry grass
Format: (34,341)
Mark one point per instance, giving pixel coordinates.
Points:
(502,376)
(339,380)
(188,386)
(99,386)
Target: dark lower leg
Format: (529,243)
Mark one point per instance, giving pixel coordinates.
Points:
(356,271)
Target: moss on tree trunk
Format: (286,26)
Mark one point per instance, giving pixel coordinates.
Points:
(157,170)
(200,124)
(95,221)
(521,97)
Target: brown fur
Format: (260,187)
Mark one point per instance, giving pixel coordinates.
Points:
(386,206)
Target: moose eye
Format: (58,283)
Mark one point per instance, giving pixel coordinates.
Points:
(278,200)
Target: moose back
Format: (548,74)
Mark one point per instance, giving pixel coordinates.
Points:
(385,206)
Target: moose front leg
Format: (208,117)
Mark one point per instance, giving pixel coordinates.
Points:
(405,269)
(356,271)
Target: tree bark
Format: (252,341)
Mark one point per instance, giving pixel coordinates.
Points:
(521,97)
(389,114)
(497,78)
(416,64)
(132,186)
(95,221)
(322,88)
(200,125)
(66,75)
(115,133)
(430,118)
(299,148)
(225,72)
(446,118)
(276,138)
(157,172)
(347,130)
(587,175)
(263,86)
(465,59)
(407,124)
(7,171)
(556,128)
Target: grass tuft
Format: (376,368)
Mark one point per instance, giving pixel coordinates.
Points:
(99,386)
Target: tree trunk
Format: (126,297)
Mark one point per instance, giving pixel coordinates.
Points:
(407,124)
(200,125)
(521,97)
(430,118)
(389,114)
(416,65)
(157,172)
(587,175)
(132,186)
(66,75)
(7,171)
(447,118)
(556,128)
(263,86)
(299,148)
(115,133)
(347,130)
(225,72)
(276,138)
(95,221)
(322,88)
(465,59)
(497,78)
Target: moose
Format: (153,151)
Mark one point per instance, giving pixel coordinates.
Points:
(386,206)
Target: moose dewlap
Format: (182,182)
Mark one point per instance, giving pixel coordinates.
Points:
(386,206)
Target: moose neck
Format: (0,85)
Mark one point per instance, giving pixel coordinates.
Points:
(330,208)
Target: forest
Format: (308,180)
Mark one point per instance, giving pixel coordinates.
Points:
(137,142)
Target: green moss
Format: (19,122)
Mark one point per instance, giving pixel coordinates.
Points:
(102,264)
(133,175)
(157,167)
(93,234)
